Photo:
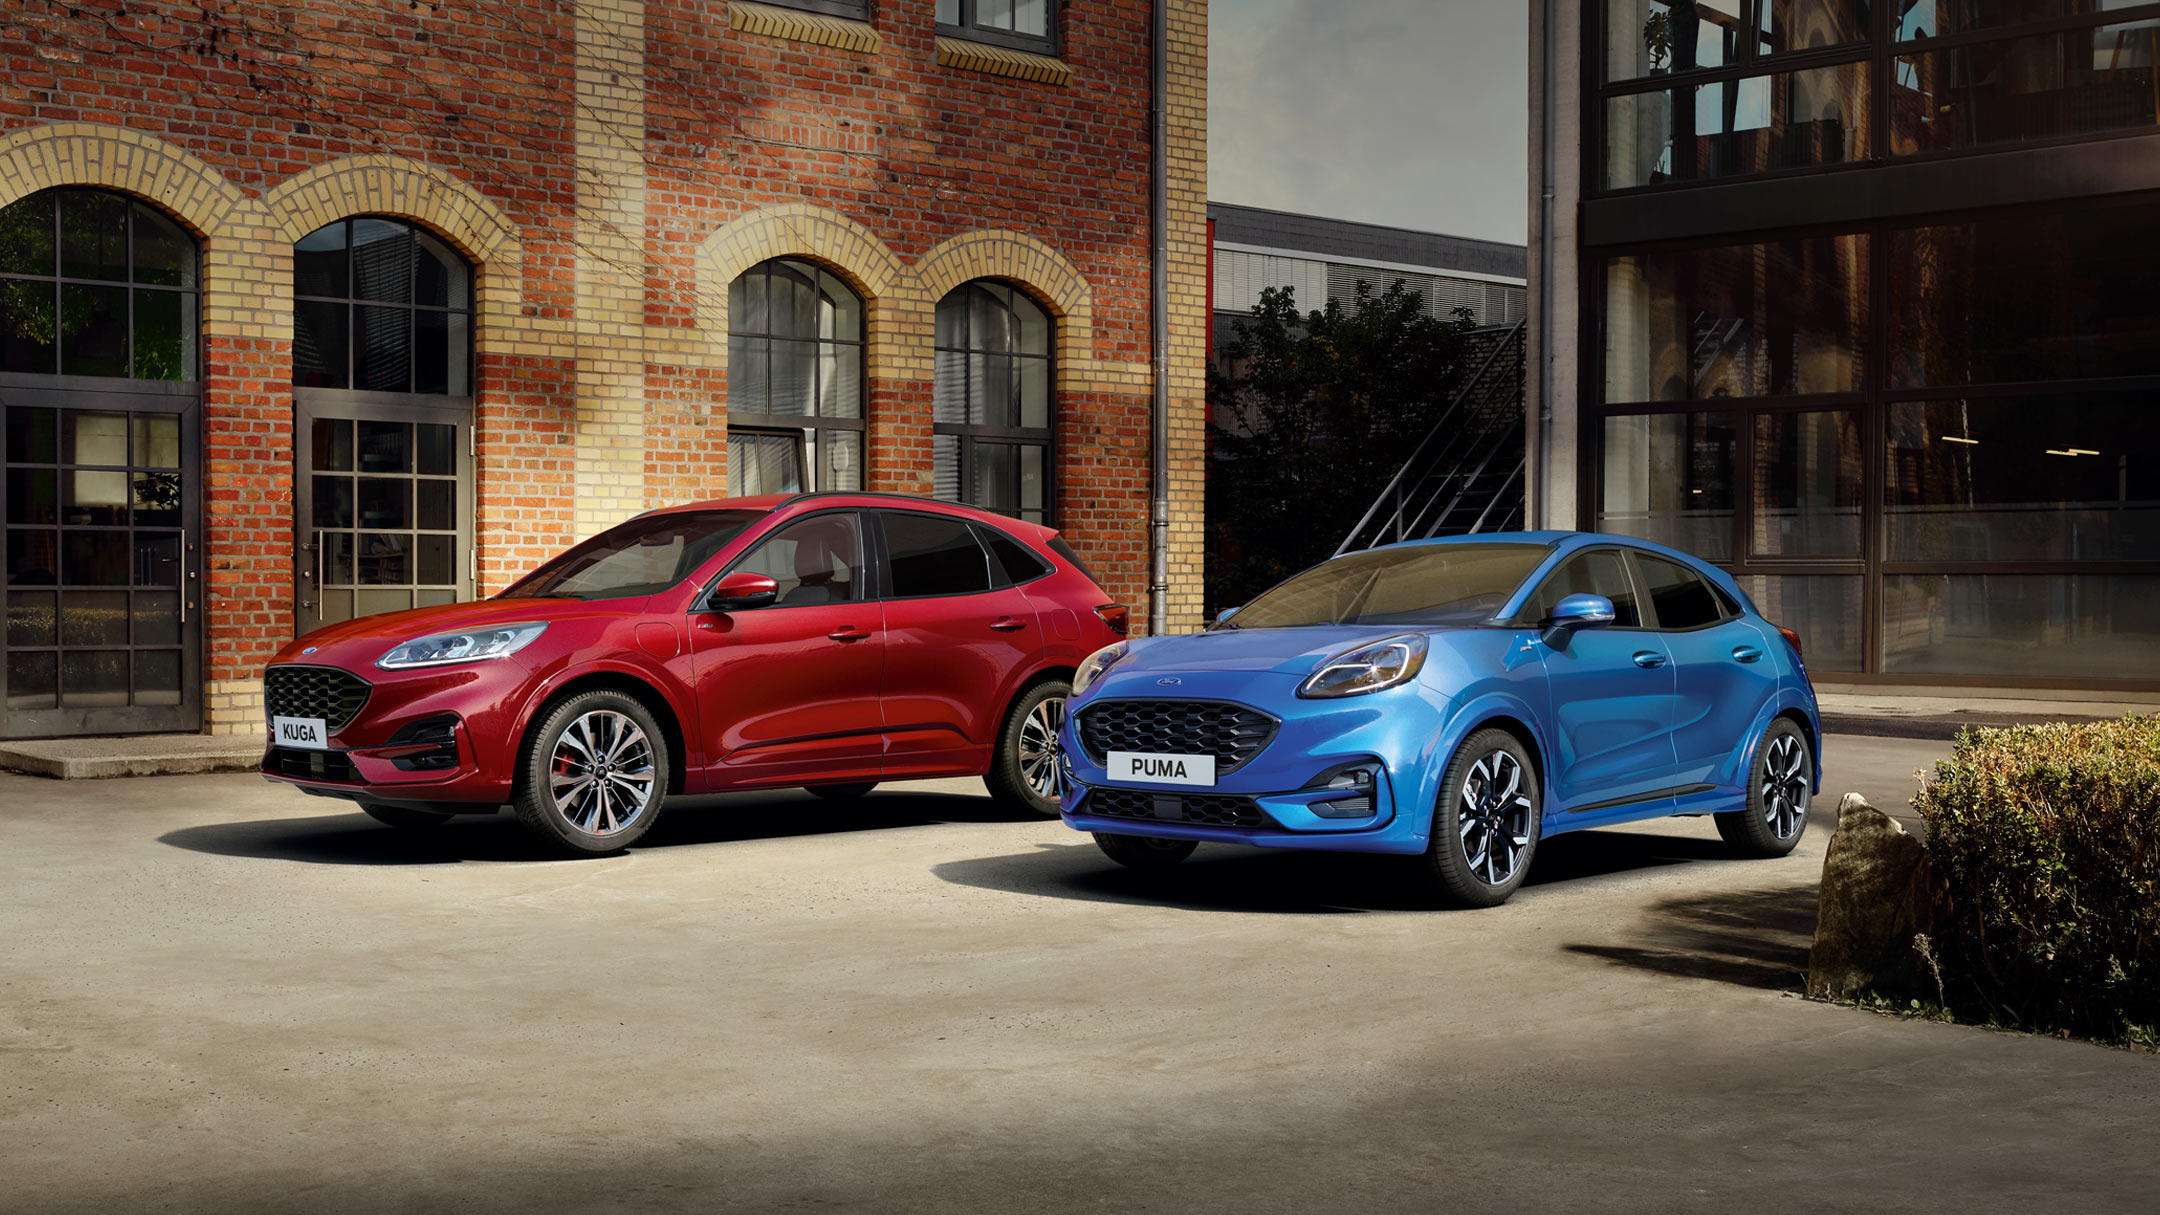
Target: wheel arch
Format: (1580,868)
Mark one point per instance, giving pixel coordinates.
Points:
(655,702)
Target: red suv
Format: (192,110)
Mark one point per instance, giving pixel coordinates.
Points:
(827,640)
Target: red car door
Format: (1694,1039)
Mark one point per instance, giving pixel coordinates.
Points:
(956,644)
(788,692)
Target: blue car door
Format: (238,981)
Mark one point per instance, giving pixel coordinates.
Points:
(1723,669)
(1611,710)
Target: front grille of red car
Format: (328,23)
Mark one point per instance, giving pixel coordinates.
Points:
(293,690)
(1208,809)
(302,764)
(1232,733)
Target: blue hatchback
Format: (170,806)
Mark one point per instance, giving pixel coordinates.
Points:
(1457,700)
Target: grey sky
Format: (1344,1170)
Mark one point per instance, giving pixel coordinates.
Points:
(1405,112)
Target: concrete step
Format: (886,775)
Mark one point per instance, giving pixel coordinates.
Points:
(138,755)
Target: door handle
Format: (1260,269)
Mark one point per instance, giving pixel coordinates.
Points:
(1745,653)
(847,632)
(1649,659)
(1006,624)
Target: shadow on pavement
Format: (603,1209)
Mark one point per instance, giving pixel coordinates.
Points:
(1753,938)
(1230,878)
(352,838)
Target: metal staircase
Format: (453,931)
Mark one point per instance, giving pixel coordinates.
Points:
(1466,475)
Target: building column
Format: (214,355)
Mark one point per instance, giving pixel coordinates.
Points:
(610,263)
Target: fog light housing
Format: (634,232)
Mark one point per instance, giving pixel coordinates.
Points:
(425,746)
(1350,791)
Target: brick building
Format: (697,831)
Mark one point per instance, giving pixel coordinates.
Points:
(317,310)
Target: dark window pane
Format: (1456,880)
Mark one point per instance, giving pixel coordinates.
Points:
(320,332)
(794,365)
(1669,478)
(156,442)
(436,565)
(1651,37)
(333,501)
(26,235)
(157,559)
(32,437)
(991,390)
(33,495)
(1594,573)
(157,498)
(952,312)
(385,560)
(2044,87)
(839,311)
(794,299)
(749,375)
(1807,484)
(164,335)
(457,352)
(94,618)
(1681,598)
(431,352)
(945,467)
(1033,484)
(337,558)
(815,561)
(157,677)
(989,318)
(382,260)
(438,449)
(332,444)
(841,466)
(2044,297)
(31,618)
(320,264)
(750,313)
(2024,479)
(386,447)
(1018,563)
(2083,627)
(840,381)
(93,678)
(1033,334)
(443,279)
(93,437)
(94,497)
(33,557)
(948,393)
(93,330)
(764,463)
(93,235)
(385,349)
(1034,393)
(996,478)
(1733,128)
(1823,608)
(1806,25)
(157,618)
(1928,20)
(1737,320)
(385,502)
(33,681)
(931,555)
(96,558)
(27,327)
(164,252)
(438,505)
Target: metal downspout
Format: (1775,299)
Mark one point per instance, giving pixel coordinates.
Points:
(1159,325)
(1539,412)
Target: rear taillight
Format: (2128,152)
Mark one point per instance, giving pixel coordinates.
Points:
(1791,638)
(1116,616)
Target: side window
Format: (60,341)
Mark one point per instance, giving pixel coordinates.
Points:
(1600,572)
(1681,598)
(933,555)
(815,560)
(1010,558)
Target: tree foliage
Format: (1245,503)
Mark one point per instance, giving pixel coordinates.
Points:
(1320,409)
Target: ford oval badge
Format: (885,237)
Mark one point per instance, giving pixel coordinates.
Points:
(1171,682)
(309,650)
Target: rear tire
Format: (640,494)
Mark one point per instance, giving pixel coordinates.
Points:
(1027,770)
(594,774)
(841,793)
(404,819)
(1779,782)
(1486,825)
(1143,851)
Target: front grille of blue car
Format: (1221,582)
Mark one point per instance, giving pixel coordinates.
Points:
(1208,809)
(1233,734)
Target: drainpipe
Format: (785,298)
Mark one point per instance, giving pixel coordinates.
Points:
(1159,324)
(1540,411)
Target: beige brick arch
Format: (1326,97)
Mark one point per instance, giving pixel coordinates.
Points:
(233,227)
(817,234)
(1025,262)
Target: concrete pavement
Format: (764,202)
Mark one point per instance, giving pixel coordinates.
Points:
(215,994)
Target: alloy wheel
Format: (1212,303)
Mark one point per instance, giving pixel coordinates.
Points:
(1495,818)
(1041,759)
(601,773)
(1784,788)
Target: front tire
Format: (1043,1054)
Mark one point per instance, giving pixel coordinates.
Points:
(1143,852)
(1485,828)
(1027,771)
(1777,798)
(594,774)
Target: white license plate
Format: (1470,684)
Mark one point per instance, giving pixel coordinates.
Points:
(307,732)
(1162,769)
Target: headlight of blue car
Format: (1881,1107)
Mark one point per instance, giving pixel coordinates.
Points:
(1368,668)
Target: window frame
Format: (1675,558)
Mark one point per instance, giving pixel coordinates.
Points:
(853,10)
(1646,604)
(969,434)
(411,308)
(808,427)
(969,31)
(191,339)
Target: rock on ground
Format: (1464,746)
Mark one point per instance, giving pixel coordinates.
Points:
(1875,899)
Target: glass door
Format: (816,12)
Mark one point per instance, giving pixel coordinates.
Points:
(384,508)
(103,533)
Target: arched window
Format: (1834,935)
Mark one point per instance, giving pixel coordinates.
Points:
(95,283)
(383,413)
(795,380)
(992,411)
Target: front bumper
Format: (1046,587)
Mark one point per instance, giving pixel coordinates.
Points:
(439,737)
(1270,801)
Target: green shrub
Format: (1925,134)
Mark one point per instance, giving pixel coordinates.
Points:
(2046,841)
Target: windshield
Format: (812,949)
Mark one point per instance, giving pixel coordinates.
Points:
(643,556)
(1425,584)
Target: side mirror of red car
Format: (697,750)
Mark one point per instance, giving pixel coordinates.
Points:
(742,589)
